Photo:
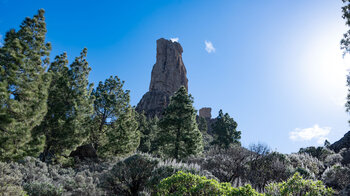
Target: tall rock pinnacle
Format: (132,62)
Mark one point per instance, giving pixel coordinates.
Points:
(168,75)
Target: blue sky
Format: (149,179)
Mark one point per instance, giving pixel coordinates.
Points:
(275,65)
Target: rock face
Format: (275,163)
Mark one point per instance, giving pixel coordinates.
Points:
(344,142)
(168,75)
(205,113)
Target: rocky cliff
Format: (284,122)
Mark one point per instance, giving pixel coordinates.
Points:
(168,75)
(344,142)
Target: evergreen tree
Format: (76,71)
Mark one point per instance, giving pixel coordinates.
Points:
(69,106)
(148,129)
(202,125)
(345,46)
(179,136)
(115,128)
(145,139)
(122,136)
(224,129)
(23,87)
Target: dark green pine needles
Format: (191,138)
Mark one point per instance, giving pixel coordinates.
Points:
(224,130)
(115,129)
(23,87)
(70,106)
(179,136)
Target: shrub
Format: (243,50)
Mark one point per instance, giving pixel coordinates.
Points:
(225,164)
(296,185)
(183,183)
(10,180)
(337,177)
(42,189)
(129,177)
(30,172)
(332,159)
(320,152)
(167,168)
(264,169)
(314,166)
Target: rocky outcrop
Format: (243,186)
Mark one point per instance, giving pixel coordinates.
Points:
(205,113)
(344,142)
(168,75)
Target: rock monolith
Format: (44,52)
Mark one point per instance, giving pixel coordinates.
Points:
(168,75)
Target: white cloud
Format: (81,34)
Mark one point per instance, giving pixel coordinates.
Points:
(174,39)
(209,46)
(307,134)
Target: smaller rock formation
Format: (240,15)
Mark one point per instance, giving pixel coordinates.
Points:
(205,113)
(344,142)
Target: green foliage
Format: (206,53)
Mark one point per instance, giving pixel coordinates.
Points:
(345,42)
(114,129)
(228,165)
(266,168)
(42,189)
(10,181)
(23,88)
(296,185)
(129,177)
(148,129)
(202,125)
(224,129)
(337,176)
(69,107)
(318,152)
(167,168)
(308,166)
(122,137)
(179,136)
(189,184)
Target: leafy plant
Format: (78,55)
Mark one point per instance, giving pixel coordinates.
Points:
(296,185)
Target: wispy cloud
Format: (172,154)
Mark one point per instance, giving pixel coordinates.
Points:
(307,134)
(209,46)
(174,39)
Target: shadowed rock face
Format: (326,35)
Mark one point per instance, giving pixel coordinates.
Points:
(344,142)
(168,75)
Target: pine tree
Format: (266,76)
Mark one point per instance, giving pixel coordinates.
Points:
(69,107)
(224,129)
(148,129)
(113,117)
(145,139)
(179,136)
(202,125)
(23,87)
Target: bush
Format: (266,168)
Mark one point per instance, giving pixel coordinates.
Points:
(264,169)
(337,177)
(30,173)
(227,165)
(167,168)
(129,177)
(296,185)
(332,159)
(311,164)
(189,184)
(42,189)
(10,180)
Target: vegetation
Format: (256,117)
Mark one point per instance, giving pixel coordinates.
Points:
(49,109)
(225,133)
(179,136)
